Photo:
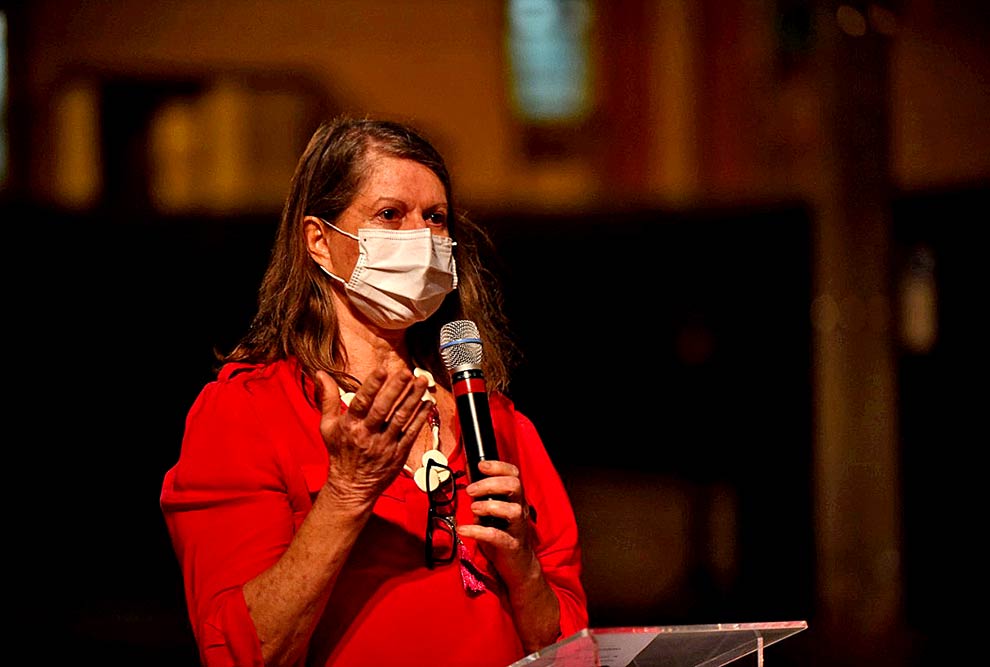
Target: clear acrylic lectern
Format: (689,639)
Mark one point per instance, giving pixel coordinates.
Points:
(663,646)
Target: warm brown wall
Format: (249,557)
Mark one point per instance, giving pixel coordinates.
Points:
(436,63)
(715,119)
(940,106)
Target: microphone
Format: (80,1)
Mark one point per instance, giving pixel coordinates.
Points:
(461,349)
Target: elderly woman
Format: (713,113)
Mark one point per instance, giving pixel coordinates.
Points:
(322,507)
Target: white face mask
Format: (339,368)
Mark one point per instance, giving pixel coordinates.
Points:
(401,276)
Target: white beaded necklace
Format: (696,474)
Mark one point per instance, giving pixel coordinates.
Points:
(419,476)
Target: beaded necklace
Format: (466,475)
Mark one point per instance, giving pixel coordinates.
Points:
(419,476)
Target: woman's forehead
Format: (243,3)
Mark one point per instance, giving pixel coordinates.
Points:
(389,176)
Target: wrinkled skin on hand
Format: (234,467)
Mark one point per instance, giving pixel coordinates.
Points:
(369,442)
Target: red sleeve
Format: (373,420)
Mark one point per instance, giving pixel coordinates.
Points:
(230,509)
(558,548)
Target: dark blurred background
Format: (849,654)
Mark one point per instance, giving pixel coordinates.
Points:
(740,243)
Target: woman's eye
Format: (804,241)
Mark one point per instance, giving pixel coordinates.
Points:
(437,218)
(389,214)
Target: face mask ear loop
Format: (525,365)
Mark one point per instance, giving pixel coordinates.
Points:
(337,278)
(337,229)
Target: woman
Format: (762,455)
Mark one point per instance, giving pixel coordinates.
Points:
(298,507)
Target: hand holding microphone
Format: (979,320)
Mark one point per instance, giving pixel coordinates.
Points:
(461,349)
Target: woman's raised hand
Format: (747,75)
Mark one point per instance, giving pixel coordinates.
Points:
(369,442)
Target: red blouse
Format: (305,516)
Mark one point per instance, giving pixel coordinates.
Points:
(251,464)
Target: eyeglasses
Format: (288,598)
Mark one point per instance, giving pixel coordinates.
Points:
(441,529)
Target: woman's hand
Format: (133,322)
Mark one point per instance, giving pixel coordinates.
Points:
(535,608)
(370,441)
(510,548)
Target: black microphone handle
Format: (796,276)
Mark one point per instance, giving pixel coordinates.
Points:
(477,432)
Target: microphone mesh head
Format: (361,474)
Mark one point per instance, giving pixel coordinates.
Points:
(456,345)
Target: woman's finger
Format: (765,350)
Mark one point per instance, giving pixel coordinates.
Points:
(329,394)
(365,397)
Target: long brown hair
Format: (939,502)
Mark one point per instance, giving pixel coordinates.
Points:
(296,316)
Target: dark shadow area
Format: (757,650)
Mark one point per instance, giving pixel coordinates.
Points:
(658,345)
(673,349)
(114,329)
(666,344)
(943,408)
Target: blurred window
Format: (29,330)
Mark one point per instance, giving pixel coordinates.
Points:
(548,59)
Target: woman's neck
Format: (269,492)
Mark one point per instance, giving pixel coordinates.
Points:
(369,347)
